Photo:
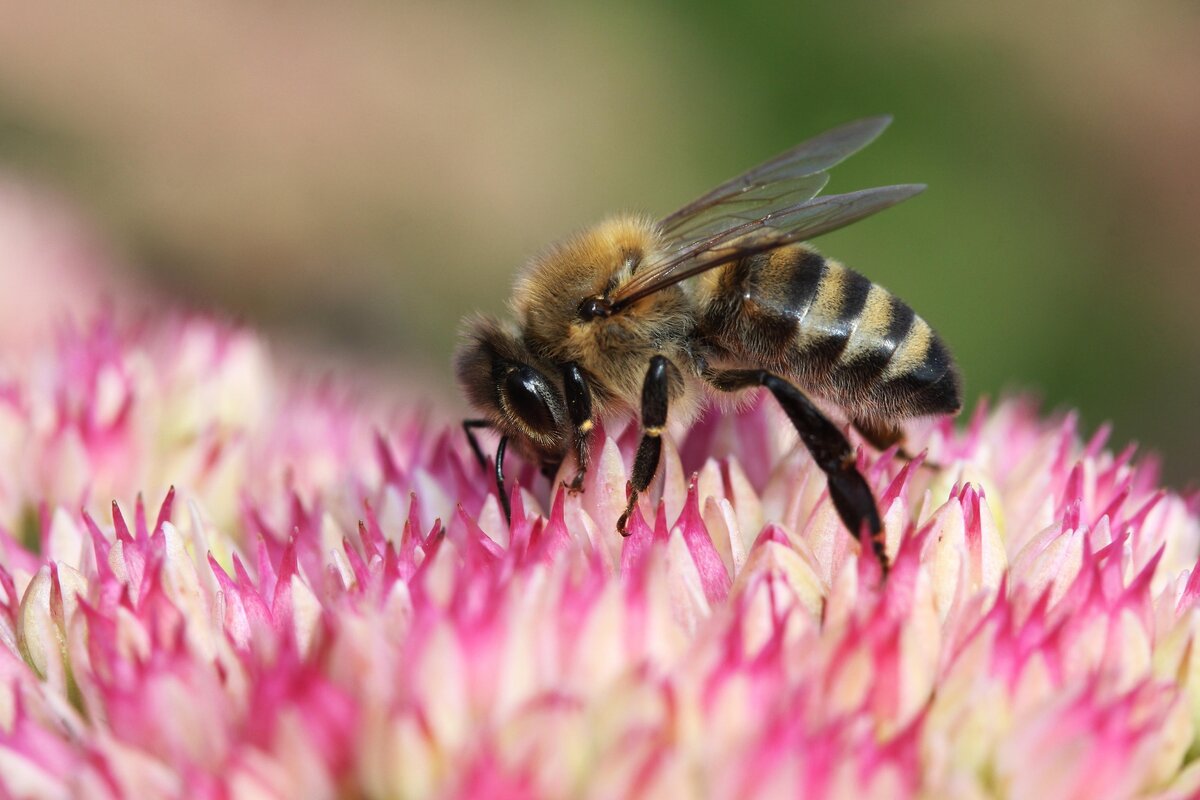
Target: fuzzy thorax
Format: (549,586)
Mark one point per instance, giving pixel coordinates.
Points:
(613,350)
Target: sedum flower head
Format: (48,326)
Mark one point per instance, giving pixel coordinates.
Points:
(218,580)
(296,595)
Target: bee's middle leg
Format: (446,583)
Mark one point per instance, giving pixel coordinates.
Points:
(655,398)
(830,450)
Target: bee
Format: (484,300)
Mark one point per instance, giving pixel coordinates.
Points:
(655,316)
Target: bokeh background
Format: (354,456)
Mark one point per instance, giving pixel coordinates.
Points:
(355,177)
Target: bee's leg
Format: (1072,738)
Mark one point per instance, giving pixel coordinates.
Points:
(500,479)
(469,426)
(882,435)
(879,434)
(655,394)
(579,408)
(830,450)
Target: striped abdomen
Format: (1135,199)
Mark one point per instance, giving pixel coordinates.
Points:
(836,333)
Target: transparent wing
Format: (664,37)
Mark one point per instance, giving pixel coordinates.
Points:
(804,220)
(791,177)
(746,206)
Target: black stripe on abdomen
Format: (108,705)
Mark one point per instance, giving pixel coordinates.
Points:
(825,330)
(803,280)
(901,321)
(874,343)
(931,386)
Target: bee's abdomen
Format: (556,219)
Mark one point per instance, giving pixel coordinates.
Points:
(835,332)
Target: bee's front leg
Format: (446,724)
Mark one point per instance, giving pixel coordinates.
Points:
(830,450)
(469,426)
(655,397)
(579,408)
(501,491)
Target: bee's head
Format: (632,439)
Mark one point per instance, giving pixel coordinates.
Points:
(502,379)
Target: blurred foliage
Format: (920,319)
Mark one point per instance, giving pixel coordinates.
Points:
(365,174)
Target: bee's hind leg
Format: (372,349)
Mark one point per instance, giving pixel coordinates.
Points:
(579,408)
(882,435)
(655,397)
(829,448)
(879,434)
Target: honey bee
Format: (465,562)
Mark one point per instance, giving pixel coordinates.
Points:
(654,316)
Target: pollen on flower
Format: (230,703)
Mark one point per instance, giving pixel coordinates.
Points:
(202,595)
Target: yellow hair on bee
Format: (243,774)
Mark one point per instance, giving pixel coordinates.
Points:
(615,350)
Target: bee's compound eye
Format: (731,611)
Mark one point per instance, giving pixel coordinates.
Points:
(529,395)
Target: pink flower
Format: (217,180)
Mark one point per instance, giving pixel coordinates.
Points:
(297,594)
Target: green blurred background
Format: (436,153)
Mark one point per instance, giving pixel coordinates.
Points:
(356,177)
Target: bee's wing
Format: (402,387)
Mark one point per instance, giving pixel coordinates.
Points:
(745,206)
(791,177)
(771,205)
(804,220)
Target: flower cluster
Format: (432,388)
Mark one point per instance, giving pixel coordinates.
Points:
(218,581)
